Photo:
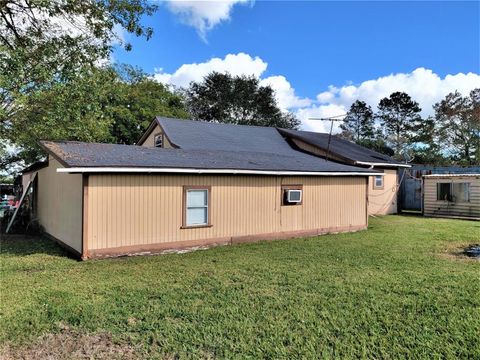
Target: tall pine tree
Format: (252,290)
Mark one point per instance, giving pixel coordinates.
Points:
(400,118)
(359,123)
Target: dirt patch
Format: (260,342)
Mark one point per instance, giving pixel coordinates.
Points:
(459,251)
(70,344)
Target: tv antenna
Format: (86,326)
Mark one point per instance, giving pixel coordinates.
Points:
(331,119)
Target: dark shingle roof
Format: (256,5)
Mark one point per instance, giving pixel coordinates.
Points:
(340,147)
(190,135)
(78,154)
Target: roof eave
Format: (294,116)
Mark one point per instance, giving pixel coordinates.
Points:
(382,164)
(211,171)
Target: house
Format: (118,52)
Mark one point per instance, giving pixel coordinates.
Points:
(382,190)
(188,184)
(451,195)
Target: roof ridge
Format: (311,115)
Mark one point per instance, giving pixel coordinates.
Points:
(216,123)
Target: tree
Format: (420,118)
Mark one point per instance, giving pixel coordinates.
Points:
(136,100)
(400,118)
(359,123)
(236,100)
(42,41)
(68,110)
(458,121)
(45,45)
(102,104)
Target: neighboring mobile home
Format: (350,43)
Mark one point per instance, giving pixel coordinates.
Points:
(452,195)
(203,184)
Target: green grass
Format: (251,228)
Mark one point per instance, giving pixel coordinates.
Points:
(389,292)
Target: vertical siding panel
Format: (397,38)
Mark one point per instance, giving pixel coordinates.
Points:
(144,209)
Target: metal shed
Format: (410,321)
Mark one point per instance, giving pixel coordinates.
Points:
(452,195)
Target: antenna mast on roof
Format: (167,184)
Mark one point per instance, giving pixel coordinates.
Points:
(331,119)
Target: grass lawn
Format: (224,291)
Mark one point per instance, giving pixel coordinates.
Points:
(390,292)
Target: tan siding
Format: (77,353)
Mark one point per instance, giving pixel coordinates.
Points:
(127,210)
(433,207)
(150,140)
(383,201)
(317,151)
(60,204)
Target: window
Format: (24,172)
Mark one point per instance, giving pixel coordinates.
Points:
(444,191)
(378,182)
(454,192)
(461,192)
(196,202)
(292,195)
(158,140)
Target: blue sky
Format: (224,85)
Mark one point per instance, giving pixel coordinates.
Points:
(316,44)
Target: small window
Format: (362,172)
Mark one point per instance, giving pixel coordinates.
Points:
(292,194)
(378,182)
(158,140)
(454,192)
(461,192)
(444,191)
(196,203)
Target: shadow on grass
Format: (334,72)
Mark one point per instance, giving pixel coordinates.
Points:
(415,213)
(25,245)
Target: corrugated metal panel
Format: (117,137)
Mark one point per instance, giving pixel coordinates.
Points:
(126,210)
(60,204)
(411,188)
(433,207)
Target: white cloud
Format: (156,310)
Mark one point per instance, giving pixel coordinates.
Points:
(235,64)
(423,85)
(285,93)
(320,111)
(203,15)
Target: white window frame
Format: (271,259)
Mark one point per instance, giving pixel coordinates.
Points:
(381,178)
(186,191)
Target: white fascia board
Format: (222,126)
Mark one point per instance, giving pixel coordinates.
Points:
(207,171)
(382,164)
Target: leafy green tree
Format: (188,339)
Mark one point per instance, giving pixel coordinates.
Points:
(135,101)
(42,41)
(400,118)
(69,110)
(100,104)
(236,100)
(46,46)
(458,131)
(359,124)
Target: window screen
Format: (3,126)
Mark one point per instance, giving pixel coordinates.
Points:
(197,207)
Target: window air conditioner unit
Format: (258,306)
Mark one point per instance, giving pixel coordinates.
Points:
(294,196)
